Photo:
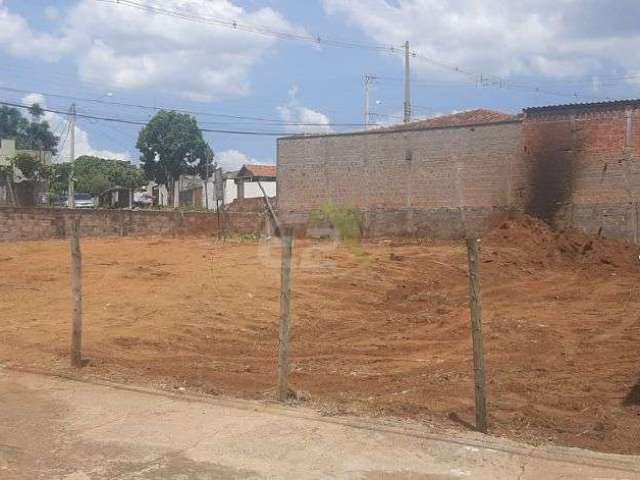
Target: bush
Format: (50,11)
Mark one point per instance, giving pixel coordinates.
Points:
(346,221)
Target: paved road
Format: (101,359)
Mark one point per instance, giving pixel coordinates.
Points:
(52,428)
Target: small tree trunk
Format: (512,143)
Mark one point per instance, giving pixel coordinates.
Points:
(12,193)
(171,192)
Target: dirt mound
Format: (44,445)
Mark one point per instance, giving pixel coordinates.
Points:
(543,245)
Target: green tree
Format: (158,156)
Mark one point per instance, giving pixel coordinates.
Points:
(34,134)
(59,179)
(94,175)
(171,145)
(33,169)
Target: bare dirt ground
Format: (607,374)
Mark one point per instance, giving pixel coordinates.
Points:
(380,330)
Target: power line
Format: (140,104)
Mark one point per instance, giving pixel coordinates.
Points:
(138,123)
(191,112)
(479,78)
(256,29)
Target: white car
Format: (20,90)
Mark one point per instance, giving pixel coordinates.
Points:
(82,200)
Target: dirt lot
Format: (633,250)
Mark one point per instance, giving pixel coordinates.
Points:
(382,329)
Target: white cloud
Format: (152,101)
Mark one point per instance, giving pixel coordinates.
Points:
(294,112)
(82,143)
(231,160)
(18,39)
(52,13)
(553,38)
(123,47)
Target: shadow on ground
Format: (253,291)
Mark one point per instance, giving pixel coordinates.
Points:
(633,398)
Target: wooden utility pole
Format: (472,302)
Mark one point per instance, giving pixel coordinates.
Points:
(285,315)
(76,290)
(473,251)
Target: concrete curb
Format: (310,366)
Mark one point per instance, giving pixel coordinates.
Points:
(566,455)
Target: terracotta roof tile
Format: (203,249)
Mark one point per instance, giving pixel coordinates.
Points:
(471,117)
(258,171)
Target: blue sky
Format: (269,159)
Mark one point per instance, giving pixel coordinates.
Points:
(508,55)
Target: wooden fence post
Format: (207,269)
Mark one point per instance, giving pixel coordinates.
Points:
(473,251)
(285,315)
(76,289)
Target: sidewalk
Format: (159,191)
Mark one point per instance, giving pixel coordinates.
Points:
(52,428)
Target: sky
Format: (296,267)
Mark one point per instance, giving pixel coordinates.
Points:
(278,67)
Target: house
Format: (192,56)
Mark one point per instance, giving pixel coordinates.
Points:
(573,165)
(20,192)
(116,197)
(246,182)
(194,192)
(8,151)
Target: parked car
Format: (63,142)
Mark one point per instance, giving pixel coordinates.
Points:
(81,200)
(84,200)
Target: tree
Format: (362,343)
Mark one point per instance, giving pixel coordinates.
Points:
(33,169)
(34,134)
(171,145)
(94,175)
(24,176)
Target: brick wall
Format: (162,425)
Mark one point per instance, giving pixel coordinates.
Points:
(574,166)
(413,182)
(18,224)
(584,167)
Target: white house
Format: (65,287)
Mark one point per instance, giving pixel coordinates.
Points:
(194,192)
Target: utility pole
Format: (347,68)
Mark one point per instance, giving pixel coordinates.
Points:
(407,83)
(72,130)
(368,81)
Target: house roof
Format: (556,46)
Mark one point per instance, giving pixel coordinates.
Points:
(258,171)
(479,116)
(584,106)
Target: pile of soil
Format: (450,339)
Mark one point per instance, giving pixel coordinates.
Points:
(543,245)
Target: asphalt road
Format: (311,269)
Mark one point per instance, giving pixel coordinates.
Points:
(53,428)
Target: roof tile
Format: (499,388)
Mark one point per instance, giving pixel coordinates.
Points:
(259,170)
(471,117)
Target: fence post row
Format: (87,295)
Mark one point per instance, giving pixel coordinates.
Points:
(285,315)
(473,251)
(76,290)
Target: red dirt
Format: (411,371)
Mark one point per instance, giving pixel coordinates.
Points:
(383,330)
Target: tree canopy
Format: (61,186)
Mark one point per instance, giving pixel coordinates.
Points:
(29,134)
(171,145)
(95,175)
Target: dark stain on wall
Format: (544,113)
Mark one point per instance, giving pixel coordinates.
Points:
(552,180)
(551,148)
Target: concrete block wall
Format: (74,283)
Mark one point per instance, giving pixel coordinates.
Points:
(411,182)
(21,224)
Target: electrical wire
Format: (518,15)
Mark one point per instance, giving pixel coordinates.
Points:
(256,29)
(479,78)
(190,112)
(139,123)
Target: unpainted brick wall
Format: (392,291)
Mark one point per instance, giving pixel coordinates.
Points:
(416,182)
(18,224)
(584,168)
